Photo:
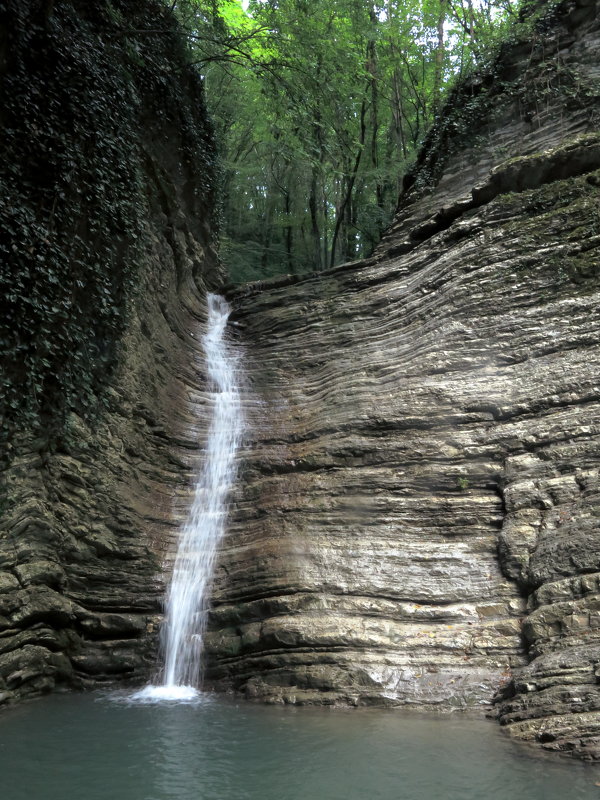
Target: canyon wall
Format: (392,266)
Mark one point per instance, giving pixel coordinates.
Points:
(417,515)
(106,207)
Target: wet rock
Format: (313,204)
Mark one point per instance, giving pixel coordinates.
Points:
(90,506)
(8,583)
(104,660)
(41,572)
(416,521)
(112,625)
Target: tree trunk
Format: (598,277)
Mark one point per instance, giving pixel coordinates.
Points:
(439,57)
(372,64)
(289,234)
(352,178)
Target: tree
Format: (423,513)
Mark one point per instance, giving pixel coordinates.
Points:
(319,109)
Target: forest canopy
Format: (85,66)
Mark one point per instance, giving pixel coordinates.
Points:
(319,108)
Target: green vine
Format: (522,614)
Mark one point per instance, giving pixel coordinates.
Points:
(541,76)
(83,87)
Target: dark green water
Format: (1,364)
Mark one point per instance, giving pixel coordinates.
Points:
(89,748)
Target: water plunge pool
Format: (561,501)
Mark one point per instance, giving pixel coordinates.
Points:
(91,747)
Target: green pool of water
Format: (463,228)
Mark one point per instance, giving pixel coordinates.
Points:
(89,747)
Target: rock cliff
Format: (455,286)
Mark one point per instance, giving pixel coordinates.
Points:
(417,516)
(107,251)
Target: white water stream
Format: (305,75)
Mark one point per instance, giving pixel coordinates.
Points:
(187,601)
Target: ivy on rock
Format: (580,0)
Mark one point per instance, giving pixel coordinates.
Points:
(82,86)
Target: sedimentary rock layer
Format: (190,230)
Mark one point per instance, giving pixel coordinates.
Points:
(416,521)
(89,506)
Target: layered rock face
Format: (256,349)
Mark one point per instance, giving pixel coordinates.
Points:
(416,520)
(90,503)
(416,517)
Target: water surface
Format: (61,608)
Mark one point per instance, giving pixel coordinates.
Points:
(88,747)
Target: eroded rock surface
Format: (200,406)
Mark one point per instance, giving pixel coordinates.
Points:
(89,507)
(417,520)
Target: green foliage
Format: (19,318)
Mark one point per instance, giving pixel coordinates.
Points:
(320,109)
(521,68)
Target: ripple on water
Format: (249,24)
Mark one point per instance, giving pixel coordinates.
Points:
(212,748)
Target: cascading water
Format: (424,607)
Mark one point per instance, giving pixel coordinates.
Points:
(187,602)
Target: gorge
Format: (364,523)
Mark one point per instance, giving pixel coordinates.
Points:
(415,518)
(417,522)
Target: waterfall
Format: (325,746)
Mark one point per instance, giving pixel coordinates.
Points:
(187,601)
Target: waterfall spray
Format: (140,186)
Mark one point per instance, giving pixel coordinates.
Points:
(187,600)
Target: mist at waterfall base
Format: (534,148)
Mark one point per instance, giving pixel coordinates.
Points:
(187,602)
(86,746)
